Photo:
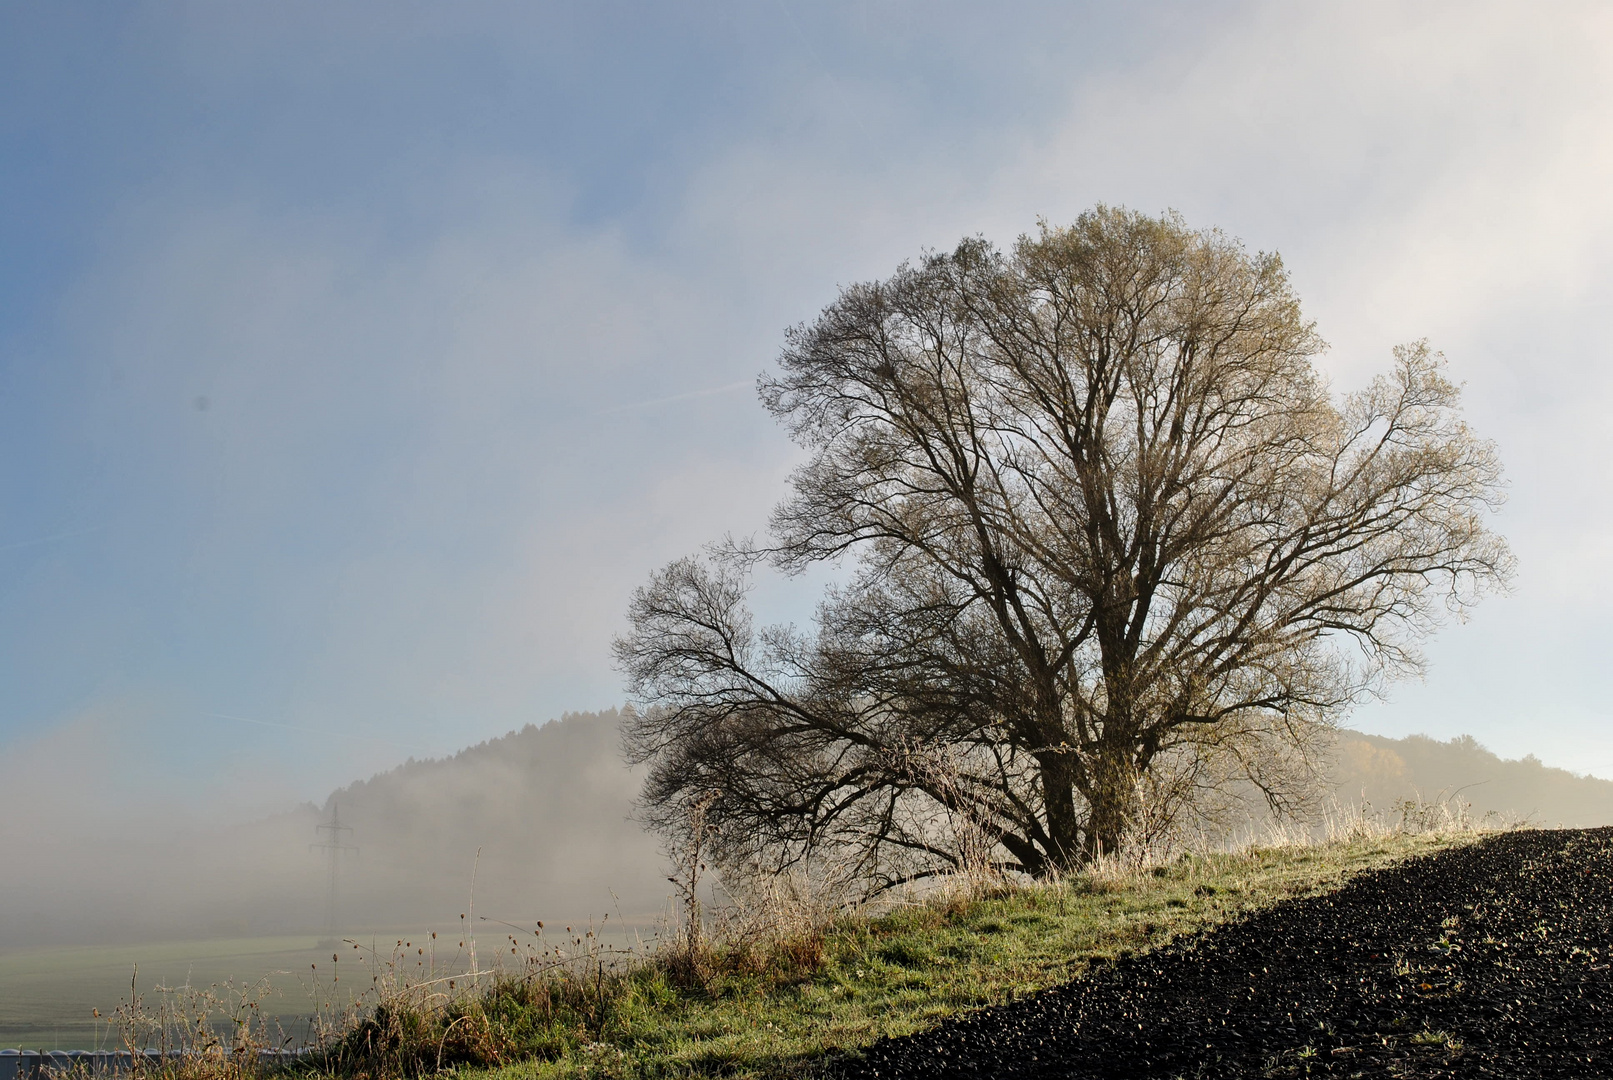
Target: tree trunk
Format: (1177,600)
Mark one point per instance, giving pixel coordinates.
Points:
(1111,801)
(1058,802)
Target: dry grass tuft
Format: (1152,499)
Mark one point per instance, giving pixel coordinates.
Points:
(198,1033)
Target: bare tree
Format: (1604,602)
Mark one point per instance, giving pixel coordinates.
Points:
(1114,546)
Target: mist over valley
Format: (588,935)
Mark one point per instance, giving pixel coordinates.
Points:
(541,817)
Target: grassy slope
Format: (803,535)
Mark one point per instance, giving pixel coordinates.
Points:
(912,968)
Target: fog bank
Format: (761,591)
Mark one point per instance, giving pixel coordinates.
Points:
(546,807)
(540,819)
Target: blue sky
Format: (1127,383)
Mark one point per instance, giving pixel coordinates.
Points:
(357,361)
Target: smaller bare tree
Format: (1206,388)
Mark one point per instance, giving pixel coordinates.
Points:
(690,844)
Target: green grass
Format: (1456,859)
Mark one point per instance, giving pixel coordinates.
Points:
(778,1011)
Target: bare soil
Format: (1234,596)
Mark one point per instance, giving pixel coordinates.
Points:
(1491,959)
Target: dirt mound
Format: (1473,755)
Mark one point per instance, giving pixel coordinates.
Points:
(1495,959)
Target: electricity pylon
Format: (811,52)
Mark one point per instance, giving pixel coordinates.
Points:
(330,842)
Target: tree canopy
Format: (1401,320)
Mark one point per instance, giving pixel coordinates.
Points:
(1114,545)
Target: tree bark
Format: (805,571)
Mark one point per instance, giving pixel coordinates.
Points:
(1064,826)
(1112,801)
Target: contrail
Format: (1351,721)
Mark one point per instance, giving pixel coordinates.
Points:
(53,536)
(675,397)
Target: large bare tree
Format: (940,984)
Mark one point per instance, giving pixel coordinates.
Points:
(1113,545)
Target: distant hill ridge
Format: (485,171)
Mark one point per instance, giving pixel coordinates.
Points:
(550,809)
(1384,770)
(542,819)
(568,775)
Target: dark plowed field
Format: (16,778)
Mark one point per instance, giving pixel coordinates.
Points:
(1495,959)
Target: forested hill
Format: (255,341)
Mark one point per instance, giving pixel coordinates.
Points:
(540,816)
(549,810)
(1384,771)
